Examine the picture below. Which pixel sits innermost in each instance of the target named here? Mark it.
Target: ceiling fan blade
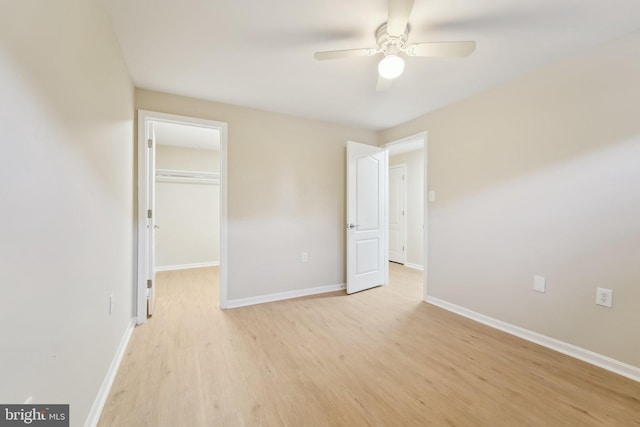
(349, 53)
(443, 49)
(399, 11)
(383, 84)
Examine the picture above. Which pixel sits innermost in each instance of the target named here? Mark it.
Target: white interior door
(151, 218)
(397, 213)
(146, 219)
(366, 217)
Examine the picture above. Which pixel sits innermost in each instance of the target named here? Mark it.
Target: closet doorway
(187, 181)
(181, 200)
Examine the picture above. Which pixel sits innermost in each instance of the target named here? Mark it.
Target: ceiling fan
(391, 38)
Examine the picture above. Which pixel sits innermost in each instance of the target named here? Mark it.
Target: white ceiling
(259, 53)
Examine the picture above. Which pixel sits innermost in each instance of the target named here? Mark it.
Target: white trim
(425, 213)
(186, 266)
(224, 234)
(105, 388)
(242, 302)
(605, 362)
(144, 118)
(385, 225)
(414, 266)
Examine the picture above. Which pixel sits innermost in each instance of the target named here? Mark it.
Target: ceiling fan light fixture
(391, 66)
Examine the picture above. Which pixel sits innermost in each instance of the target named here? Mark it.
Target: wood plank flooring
(377, 358)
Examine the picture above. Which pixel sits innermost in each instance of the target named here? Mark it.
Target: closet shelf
(194, 177)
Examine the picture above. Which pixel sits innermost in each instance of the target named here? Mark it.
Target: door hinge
(403, 249)
(149, 284)
(149, 142)
(149, 213)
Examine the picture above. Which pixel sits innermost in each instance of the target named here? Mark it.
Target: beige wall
(188, 159)
(541, 176)
(66, 114)
(538, 176)
(286, 194)
(414, 160)
(187, 213)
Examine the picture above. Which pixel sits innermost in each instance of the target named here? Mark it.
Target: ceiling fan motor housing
(391, 44)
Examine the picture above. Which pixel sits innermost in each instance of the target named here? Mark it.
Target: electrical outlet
(539, 283)
(604, 297)
(432, 196)
(304, 257)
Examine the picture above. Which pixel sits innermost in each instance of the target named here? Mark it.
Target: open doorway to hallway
(406, 202)
(407, 206)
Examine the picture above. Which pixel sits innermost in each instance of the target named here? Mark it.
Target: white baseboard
(105, 388)
(414, 266)
(186, 266)
(242, 302)
(605, 362)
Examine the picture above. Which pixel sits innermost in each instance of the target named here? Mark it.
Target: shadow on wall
(68, 98)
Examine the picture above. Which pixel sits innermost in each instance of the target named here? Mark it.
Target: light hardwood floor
(377, 358)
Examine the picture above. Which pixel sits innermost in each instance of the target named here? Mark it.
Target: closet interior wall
(187, 208)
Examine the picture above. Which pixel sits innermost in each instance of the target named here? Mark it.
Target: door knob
(351, 226)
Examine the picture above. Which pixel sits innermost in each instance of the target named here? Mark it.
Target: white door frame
(425, 237)
(144, 118)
